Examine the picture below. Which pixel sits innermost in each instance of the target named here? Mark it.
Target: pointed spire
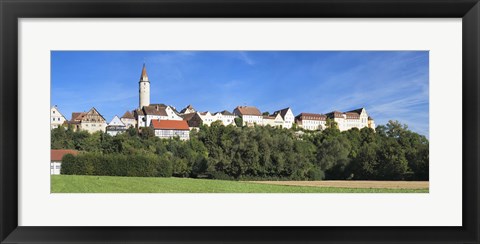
(144, 76)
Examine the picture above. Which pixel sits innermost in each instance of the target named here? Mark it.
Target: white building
(274, 120)
(56, 156)
(250, 115)
(225, 117)
(91, 121)
(116, 126)
(155, 112)
(357, 118)
(144, 89)
(170, 129)
(56, 118)
(311, 121)
(188, 110)
(287, 116)
(129, 120)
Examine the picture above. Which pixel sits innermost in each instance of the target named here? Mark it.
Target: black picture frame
(11, 11)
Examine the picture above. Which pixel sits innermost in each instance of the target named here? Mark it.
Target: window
(57, 167)
(54, 112)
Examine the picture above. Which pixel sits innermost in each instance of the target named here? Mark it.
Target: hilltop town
(168, 122)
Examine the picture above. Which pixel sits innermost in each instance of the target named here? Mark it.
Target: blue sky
(391, 85)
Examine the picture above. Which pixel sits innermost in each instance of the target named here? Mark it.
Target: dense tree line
(228, 152)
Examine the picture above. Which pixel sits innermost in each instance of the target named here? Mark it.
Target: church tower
(144, 89)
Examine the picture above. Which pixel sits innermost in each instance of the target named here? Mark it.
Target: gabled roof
(170, 124)
(273, 116)
(93, 110)
(127, 115)
(189, 107)
(77, 116)
(155, 110)
(116, 122)
(311, 116)
(248, 110)
(225, 112)
(56, 108)
(187, 117)
(57, 154)
(358, 111)
(282, 112)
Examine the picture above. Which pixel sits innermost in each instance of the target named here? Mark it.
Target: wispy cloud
(245, 57)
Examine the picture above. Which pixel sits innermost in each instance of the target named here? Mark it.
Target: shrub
(145, 165)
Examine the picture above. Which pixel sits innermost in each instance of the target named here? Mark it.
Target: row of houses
(167, 122)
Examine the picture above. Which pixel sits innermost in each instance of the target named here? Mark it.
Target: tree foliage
(228, 152)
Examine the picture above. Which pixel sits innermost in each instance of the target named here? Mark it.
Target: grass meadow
(115, 184)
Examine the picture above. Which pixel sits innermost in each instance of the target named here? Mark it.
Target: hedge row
(148, 165)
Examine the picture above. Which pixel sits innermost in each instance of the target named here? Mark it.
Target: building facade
(225, 117)
(274, 120)
(129, 120)
(115, 127)
(56, 156)
(56, 118)
(250, 115)
(155, 112)
(168, 129)
(311, 121)
(357, 118)
(287, 116)
(91, 121)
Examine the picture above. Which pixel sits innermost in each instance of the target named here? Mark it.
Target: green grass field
(110, 184)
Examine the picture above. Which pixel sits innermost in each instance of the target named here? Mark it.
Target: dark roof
(225, 112)
(170, 124)
(334, 114)
(154, 110)
(311, 116)
(57, 154)
(358, 111)
(158, 105)
(282, 112)
(128, 115)
(138, 112)
(187, 108)
(248, 110)
(187, 117)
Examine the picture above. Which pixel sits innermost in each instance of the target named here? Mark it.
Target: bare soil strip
(353, 184)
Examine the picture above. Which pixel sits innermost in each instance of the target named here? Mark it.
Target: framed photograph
(257, 122)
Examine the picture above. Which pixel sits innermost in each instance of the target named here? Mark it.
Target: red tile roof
(170, 124)
(57, 154)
